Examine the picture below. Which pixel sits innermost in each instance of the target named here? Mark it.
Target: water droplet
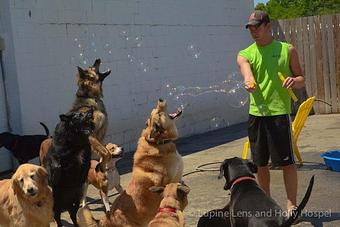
(216, 122)
(194, 51)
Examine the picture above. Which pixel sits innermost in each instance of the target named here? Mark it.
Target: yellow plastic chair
(297, 125)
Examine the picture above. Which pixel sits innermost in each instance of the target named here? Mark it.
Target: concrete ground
(321, 133)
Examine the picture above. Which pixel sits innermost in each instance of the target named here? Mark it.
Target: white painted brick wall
(45, 58)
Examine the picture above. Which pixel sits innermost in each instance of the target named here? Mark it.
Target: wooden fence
(317, 40)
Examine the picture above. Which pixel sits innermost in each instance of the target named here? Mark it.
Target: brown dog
(89, 95)
(44, 146)
(170, 213)
(156, 163)
(107, 178)
(26, 199)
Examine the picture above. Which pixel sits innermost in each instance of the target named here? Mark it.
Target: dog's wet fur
(68, 161)
(248, 198)
(23, 147)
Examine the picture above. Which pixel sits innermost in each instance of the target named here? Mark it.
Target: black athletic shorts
(270, 137)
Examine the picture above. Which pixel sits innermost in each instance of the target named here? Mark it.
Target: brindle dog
(90, 94)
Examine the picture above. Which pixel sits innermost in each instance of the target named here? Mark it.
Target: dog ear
(15, 184)
(222, 169)
(102, 76)
(42, 173)
(63, 117)
(223, 166)
(183, 188)
(252, 166)
(157, 189)
(81, 72)
(96, 64)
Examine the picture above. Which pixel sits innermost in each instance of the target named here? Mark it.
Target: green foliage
(283, 9)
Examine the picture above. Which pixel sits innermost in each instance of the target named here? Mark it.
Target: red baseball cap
(257, 18)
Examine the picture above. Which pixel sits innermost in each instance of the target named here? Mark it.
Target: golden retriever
(26, 199)
(175, 199)
(156, 163)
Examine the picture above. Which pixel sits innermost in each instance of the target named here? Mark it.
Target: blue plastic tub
(332, 160)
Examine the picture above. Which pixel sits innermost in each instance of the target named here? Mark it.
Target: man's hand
(250, 85)
(249, 81)
(289, 82)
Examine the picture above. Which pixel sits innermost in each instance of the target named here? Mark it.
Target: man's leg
(263, 178)
(291, 181)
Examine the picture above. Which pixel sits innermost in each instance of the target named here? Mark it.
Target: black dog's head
(90, 81)
(78, 122)
(234, 168)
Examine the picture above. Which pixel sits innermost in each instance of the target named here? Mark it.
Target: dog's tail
(46, 129)
(85, 219)
(302, 205)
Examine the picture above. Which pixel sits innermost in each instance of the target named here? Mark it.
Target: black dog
(68, 162)
(25, 147)
(249, 205)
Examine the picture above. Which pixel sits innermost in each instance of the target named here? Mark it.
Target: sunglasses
(255, 27)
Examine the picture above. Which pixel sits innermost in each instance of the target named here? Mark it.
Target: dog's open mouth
(120, 155)
(175, 114)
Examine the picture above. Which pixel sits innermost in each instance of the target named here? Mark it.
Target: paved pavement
(320, 134)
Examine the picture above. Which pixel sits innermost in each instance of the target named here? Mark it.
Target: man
(269, 125)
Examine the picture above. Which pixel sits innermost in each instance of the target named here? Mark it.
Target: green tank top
(269, 98)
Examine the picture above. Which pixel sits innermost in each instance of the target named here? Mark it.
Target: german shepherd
(90, 94)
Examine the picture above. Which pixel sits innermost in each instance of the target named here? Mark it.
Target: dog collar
(160, 142)
(238, 180)
(167, 209)
(164, 142)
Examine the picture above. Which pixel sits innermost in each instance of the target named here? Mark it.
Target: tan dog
(89, 95)
(105, 179)
(175, 199)
(26, 199)
(44, 146)
(156, 163)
